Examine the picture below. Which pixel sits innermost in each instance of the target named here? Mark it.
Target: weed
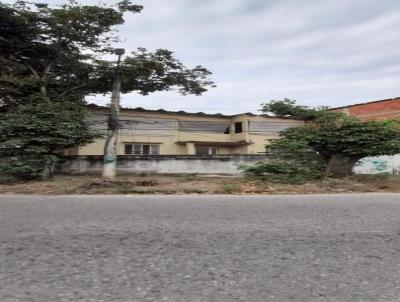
(146, 183)
(383, 181)
(193, 191)
(230, 188)
(187, 177)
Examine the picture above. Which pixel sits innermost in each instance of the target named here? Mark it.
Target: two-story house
(160, 132)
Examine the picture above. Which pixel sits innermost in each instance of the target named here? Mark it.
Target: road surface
(200, 248)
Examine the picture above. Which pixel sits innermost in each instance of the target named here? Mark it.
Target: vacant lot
(196, 184)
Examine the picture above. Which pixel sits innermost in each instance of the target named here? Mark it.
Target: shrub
(29, 167)
(284, 171)
(230, 188)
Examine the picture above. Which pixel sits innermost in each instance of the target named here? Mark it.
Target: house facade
(375, 110)
(159, 132)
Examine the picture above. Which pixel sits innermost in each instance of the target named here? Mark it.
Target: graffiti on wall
(379, 164)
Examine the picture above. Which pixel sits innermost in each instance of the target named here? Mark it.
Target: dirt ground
(196, 184)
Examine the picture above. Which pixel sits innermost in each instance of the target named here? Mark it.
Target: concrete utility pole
(110, 147)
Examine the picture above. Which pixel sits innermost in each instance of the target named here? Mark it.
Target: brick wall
(384, 109)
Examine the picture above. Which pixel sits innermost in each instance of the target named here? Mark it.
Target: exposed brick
(383, 109)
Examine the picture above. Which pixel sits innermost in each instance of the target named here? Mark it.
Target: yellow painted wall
(173, 142)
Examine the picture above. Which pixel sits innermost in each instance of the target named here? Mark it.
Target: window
(204, 150)
(238, 127)
(128, 149)
(142, 149)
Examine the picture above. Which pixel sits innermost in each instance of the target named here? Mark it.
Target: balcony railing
(211, 137)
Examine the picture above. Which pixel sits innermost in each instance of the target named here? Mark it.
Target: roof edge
(180, 112)
(365, 103)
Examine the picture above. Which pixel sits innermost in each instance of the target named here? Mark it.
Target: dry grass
(192, 184)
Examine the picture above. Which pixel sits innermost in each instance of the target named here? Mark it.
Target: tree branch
(32, 70)
(47, 69)
(73, 88)
(43, 89)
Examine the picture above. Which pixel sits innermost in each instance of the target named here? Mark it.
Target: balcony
(212, 138)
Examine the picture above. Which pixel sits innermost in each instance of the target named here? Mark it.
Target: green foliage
(230, 188)
(27, 129)
(336, 140)
(29, 167)
(31, 135)
(347, 136)
(46, 48)
(147, 72)
(288, 108)
(45, 73)
(55, 50)
(285, 171)
(49, 63)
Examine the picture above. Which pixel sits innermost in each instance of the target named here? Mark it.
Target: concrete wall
(220, 164)
(379, 164)
(224, 164)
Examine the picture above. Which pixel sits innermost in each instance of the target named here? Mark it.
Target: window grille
(128, 149)
(142, 149)
(204, 150)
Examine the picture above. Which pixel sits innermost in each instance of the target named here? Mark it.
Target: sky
(330, 52)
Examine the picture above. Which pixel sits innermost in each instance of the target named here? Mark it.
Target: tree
(50, 58)
(289, 108)
(145, 72)
(46, 56)
(50, 50)
(26, 140)
(337, 140)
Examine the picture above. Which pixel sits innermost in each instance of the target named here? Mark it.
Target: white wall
(379, 164)
(161, 164)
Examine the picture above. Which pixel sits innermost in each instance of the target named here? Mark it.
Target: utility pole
(111, 144)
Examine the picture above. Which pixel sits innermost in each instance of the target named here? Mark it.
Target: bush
(32, 133)
(284, 171)
(230, 188)
(29, 167)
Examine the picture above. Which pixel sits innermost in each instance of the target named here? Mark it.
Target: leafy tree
(24, 133)
(147, 72)
(45, 73)
(50, 60)
(289, 108)
(49, 50)
(338, 141)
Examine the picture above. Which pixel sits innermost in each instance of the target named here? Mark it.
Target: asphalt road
(200, 248)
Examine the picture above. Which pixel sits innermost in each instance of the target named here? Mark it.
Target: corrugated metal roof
(162, 111)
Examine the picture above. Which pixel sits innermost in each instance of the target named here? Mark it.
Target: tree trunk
(49, 166)
(340, 165)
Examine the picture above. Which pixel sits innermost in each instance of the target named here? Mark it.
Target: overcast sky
(330, 52)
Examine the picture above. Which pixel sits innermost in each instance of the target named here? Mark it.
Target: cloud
(319, 52)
